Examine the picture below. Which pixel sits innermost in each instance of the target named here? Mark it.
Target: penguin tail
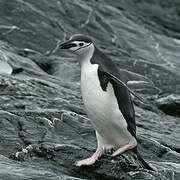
(141, 160)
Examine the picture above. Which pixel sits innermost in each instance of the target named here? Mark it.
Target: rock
(169, 104)
(44, 128)
(5, 68)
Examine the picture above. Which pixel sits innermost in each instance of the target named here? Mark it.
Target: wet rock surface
(44, 129)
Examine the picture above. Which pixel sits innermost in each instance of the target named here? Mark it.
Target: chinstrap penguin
(107, 100)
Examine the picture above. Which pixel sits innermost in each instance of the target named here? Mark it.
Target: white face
(81, 47)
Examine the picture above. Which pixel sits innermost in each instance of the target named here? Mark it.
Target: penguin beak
(67, 45)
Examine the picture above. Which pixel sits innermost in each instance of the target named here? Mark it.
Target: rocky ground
(44, 129)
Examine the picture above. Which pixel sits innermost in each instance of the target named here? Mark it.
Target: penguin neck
(85, 57)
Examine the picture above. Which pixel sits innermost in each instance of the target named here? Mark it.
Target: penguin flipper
(122, 95)
(117, 80)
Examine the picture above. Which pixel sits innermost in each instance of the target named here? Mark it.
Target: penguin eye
(81, 44)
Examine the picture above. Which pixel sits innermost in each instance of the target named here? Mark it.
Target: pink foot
(123, 149)
(91, 160)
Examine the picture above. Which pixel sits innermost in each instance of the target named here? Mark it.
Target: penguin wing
(121, 76)
(113, 77)
(122, 95)
(109, 73)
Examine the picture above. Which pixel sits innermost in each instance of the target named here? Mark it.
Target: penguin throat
(86, 55)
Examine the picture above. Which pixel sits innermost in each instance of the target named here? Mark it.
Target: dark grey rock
(169, 104)
(44, 129)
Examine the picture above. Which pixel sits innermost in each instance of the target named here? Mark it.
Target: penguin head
(78, 44)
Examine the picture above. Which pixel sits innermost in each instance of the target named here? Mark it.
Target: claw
(91, 160)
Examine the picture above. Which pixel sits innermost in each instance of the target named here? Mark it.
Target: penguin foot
(92, 159)
(123, 149)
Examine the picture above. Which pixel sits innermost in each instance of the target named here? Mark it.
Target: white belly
(103, 110)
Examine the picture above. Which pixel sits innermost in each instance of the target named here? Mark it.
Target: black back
(122, 94)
